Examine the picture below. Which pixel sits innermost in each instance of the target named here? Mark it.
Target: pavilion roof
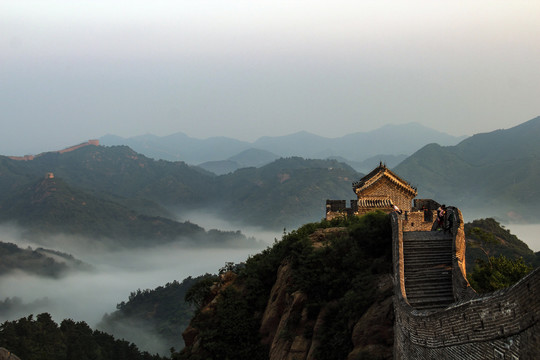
(379, 173)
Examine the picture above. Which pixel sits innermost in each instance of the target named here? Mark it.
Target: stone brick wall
(501, 325)
(338, 208)
(22, 158)
(71, 148)
(429, 204)
(415, 221)
(385, 187)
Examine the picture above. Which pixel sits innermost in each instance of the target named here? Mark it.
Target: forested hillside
(154, 319)
(40, 337)
(487, 238)
(50, 206)
(323, 289)
(41, 262)
(288, 294)
(115, 183)
(495, 173)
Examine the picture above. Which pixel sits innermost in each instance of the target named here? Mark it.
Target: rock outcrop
(290, 327)
(7, 355)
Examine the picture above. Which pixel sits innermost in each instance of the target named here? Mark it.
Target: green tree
(484, 241)
(43, 339)
(79, 340)
(199, 293)
(235, 332)
(498, 273)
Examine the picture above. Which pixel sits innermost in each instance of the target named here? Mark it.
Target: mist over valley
(176, 174)
(87, 295)
(95, 225)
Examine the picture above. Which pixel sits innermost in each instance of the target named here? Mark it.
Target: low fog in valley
(88, 295)
(528, 233)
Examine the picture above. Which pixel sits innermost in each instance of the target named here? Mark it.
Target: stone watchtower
(378, 190)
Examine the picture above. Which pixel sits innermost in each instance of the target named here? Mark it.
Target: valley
(140, 223)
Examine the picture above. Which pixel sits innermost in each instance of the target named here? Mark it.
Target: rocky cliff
(7, 355)
(329, 296)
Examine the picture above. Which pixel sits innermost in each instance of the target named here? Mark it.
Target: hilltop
(281, 194)
(494, 173)
(41, 262)
(324, 291)
(50, 206)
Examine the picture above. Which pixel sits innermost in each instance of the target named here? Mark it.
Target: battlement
(338, 208)
(381, 189)
(439, 316)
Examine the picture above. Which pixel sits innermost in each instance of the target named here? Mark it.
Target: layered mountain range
(494, 174)
(115, 192)
(390, 143)
(340, 304)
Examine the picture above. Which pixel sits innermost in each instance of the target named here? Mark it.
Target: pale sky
(75, 70)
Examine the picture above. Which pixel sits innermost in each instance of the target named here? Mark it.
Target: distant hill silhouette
(42, 262)
(387, 140)
(286, 192)
(371, 163)
(497, 172)
(247, 158)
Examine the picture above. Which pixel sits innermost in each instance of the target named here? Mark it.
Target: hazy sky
(75, 70)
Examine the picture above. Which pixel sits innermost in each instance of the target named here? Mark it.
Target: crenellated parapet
(437, 313)
(338, 208)
(381, 189)
(465, 325)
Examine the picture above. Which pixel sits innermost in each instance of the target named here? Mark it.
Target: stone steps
(431, 303)
(428, 269)
(426, 279)
(429, 260)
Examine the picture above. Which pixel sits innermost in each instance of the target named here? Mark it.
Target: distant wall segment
(71, 148)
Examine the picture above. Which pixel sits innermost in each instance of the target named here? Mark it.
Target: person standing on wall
(450, 218)
(441, 211)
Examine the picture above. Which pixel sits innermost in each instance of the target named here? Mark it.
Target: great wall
(68, 149)
(437, 313)
(439, 316)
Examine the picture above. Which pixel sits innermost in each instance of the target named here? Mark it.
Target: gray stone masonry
(437, 314)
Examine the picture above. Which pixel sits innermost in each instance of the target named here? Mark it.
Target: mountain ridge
(267, 196)
(496, 172)
(302, 143)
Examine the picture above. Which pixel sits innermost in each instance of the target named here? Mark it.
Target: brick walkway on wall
(428, 269)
